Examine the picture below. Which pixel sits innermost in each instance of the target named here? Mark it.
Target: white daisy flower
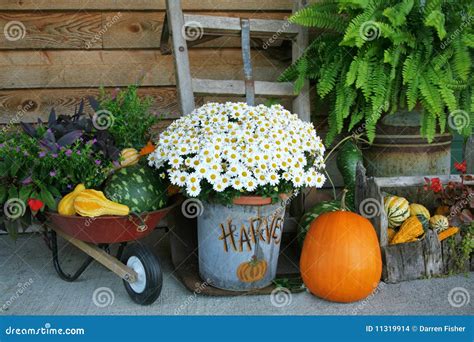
(240, 146)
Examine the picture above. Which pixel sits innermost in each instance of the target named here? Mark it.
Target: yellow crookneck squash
(92, 203)
(411, 229)
(66, 205)
(447, 233)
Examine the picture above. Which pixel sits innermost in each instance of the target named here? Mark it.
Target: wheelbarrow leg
(120, 250)
(57, 265)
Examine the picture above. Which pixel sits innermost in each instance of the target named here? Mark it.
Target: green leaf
(4, 169)
(398, 13)
(468, 40)
(14, 167)
(3, 193)
(55, 192)
(12, 228)
(436, 19)
(313, 16)
(47, 198)
(12, 192)
(25, 192)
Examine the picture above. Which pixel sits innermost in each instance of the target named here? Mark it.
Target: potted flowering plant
(242, 162)
(455, 199)
(40, 164)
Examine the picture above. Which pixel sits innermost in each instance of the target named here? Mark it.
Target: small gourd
(92, 203)
(129, 157)
(66, 204)
(447, 233)
(442, 210)
(418, 209)
(412, 228)
(397, 209)
(439, 223)
(390, 234)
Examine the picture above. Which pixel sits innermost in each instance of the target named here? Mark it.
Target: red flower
(436, 185)
(35, 204)
(461, 167)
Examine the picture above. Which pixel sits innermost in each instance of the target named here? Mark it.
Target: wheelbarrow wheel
(147, 288)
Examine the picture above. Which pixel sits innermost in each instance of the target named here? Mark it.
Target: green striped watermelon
(312, 214)
(139, 187)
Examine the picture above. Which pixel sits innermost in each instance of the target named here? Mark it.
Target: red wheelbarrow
(135, 263)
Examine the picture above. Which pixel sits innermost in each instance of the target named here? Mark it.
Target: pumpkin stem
(343, 200)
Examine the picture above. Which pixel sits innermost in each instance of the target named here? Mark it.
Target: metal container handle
(142, 226)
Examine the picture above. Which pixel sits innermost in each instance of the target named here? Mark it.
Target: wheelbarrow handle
(142, 226)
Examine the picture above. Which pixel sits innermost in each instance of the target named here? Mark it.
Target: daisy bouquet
(223, 151)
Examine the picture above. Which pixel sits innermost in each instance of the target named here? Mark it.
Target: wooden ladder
(186, 30)
(204, 28)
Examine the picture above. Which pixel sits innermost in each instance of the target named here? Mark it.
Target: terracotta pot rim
(256, 200)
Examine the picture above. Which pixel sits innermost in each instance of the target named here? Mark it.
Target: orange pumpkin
(251, 271)
(341, 259)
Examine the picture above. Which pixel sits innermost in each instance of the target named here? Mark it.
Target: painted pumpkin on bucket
(253, 270)
(341, 259)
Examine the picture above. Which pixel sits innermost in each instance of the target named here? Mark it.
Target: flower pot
(239, 244)
(400, 150)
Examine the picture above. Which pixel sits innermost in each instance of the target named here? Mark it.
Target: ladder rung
(236, 87)
(228, 26)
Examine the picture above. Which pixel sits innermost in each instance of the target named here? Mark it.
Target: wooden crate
(407, 261)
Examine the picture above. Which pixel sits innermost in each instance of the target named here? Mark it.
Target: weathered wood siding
(65, 49)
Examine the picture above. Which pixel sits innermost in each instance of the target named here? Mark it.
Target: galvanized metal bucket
(239, 244)
(400, 150)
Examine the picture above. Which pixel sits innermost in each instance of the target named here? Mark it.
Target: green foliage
(375, 57)
(461, 251)
(28, 170)
(132, 118)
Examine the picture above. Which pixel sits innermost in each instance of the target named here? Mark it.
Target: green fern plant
(375, 57)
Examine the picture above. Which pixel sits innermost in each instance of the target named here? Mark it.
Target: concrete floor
(29, 285)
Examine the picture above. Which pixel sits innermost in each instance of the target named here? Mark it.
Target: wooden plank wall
(63, 50)
(53, 53)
